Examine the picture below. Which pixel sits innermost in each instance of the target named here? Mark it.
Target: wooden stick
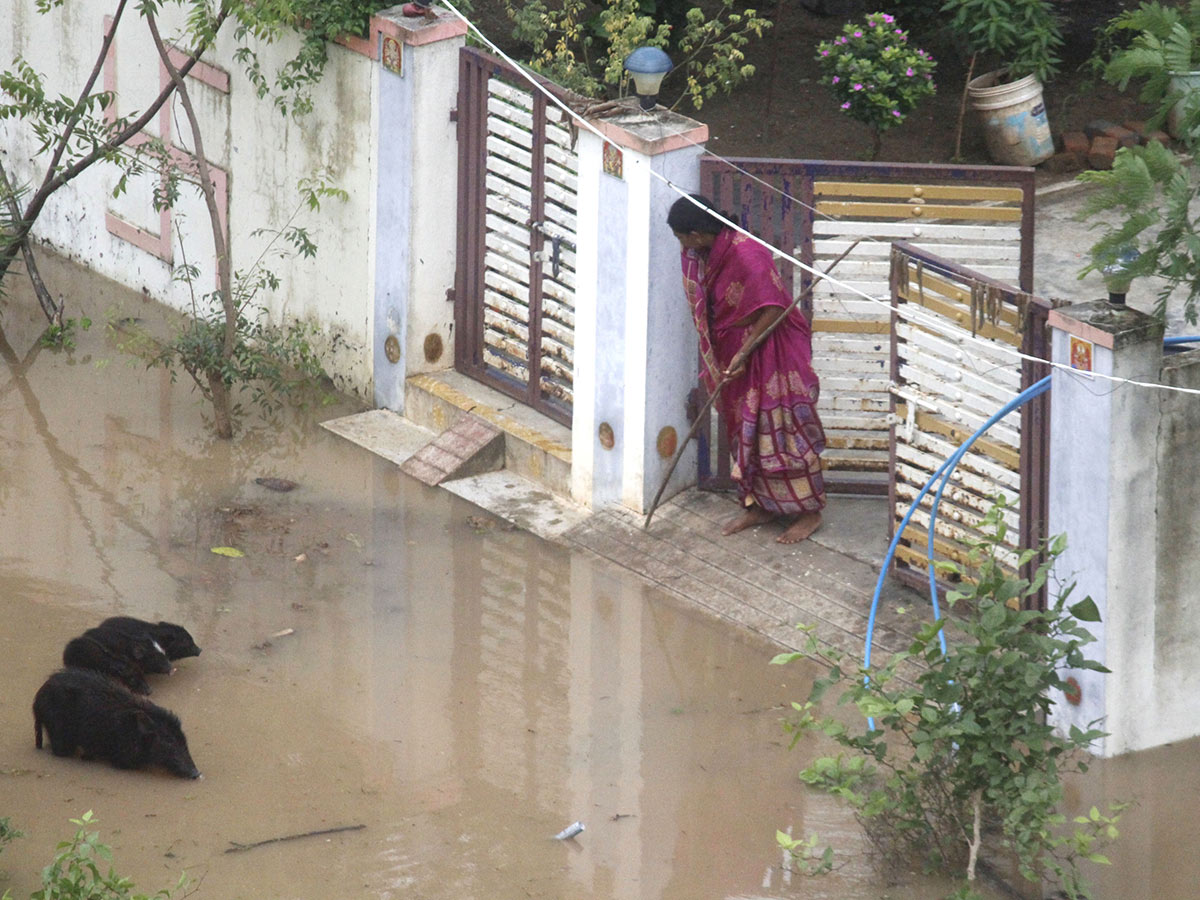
(725, 380)
(237, 848)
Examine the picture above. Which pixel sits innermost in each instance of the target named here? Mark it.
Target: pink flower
(846, 105)
(896, 113)
(836, 79)
(910, 72)
(824, 52)
(858, 34)
(858, 86)
(889, 19)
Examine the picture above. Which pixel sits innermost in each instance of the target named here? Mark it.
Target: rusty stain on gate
(980, 216)
(952, 367)
(515, 282)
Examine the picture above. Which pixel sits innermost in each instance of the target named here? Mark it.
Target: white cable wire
(909, 311)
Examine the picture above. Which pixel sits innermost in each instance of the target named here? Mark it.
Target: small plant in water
(965, 754)
(877, 78)
(8, 834)
(76, 872)
(227, 350)
(63, 335)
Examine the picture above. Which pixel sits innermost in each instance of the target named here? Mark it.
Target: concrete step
(471, 446)
(383, 432)
(511, 497)
(535, 447)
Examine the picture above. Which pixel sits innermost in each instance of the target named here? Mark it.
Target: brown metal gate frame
(1034, 465)
(475, 69)
(775, 199)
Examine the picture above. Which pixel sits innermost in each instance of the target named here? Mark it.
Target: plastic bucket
(1181, 83)
(1013, 118)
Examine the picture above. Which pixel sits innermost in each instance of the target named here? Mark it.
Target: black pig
(174, 639)
(84, 710)
(115, 653)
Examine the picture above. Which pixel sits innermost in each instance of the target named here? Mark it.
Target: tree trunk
(222, 416)
(219, 390)
(976, 836)
(962, 109)
(53, 311)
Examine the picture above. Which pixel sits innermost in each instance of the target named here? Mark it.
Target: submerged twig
(237, 847)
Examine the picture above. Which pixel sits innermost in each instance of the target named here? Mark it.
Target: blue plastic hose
(944, 471)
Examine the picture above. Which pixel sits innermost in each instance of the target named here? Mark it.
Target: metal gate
(515, 282)
(981, 216)
(950, 372)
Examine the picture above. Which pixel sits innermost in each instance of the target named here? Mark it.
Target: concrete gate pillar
(415, 197)
(635, 345)
(1103, 496)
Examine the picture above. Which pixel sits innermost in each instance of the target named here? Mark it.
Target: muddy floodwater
(387, 659)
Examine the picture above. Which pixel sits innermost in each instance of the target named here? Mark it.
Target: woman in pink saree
(769, 405)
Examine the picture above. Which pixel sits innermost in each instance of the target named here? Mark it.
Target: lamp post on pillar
(1119, 273)
(648, 66)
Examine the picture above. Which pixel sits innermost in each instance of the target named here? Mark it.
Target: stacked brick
(1097, 144)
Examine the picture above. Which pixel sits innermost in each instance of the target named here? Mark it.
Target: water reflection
(382, 655)
(1154, 856)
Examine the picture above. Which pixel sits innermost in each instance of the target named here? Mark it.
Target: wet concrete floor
(390, 656)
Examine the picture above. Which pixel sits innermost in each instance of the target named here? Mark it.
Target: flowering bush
(875, 75)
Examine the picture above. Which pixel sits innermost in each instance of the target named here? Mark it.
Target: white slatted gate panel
(529, 243)
(972, 224)
(948, 384)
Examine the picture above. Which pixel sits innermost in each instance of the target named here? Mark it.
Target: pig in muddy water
(115, 653)
(174, 639)
(81, 709)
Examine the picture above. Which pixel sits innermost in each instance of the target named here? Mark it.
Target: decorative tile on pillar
(393, 55)
(614, 161)
(1081, 354)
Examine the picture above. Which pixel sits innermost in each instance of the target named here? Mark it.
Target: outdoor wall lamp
(1117, 274)
(647, 65)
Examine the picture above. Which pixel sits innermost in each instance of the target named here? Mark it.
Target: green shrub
(1023, 36)
(876, 76)
(966, 749)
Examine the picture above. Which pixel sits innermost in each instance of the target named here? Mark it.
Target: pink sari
(770, 410)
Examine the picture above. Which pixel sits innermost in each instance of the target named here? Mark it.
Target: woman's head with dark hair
(686, 217)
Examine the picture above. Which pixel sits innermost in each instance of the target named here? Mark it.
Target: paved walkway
(756, 583)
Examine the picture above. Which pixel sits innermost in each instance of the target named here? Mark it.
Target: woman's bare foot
(753, 516)
(801, 529)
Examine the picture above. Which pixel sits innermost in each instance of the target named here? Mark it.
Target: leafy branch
(582, 44)
(966, 753)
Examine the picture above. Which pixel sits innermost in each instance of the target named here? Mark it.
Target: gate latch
(556, 243)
